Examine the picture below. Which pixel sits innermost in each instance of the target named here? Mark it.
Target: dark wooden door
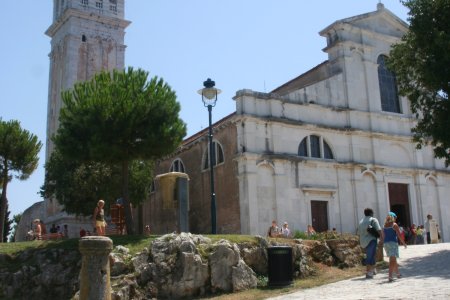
(399, 203)
(319, 215)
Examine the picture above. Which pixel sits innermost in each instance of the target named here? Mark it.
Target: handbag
(371, 230)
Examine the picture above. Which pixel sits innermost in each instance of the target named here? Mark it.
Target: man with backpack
(369, 230)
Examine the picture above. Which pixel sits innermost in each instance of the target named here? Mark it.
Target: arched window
(303, 148)
(315, 146)
(218, 156)
(388, 87)
(177, 166)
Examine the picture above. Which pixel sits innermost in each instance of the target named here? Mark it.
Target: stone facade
(320, 148)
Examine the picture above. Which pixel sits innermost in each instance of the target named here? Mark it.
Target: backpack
(372, 231)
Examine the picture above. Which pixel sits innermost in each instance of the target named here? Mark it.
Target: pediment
(382, 21)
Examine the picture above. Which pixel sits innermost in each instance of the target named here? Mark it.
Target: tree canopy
(19, 157)
(421, 62)
(78, 186)
(116, 118)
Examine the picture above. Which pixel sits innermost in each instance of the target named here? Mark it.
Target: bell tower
(87, 36)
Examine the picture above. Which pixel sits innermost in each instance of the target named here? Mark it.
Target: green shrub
(327, 235)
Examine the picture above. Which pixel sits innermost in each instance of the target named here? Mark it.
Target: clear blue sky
(251, 44)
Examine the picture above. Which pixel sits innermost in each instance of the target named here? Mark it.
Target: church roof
(318, 73)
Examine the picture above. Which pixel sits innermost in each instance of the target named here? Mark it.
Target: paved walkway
(426, 275)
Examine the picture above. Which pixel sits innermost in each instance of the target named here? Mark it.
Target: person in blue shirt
(391, 232)
(368, 241)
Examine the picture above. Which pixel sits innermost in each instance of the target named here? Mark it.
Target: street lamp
(209, 97)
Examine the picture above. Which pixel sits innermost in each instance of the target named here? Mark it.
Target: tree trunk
(126, 199)
(3, 205)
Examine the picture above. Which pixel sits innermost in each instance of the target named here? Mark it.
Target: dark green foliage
(16, 221)
(19, 150)
(119, 118)
(422, 66)
(327, 235)
(78, 186)
(7, 226)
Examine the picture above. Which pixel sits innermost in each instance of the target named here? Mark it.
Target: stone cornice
(336, 164)
(350, 44)
(68, 13)
(346, 130)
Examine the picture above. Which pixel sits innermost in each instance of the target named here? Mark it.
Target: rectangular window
(99, 4)
(85, 2)
(315, 146)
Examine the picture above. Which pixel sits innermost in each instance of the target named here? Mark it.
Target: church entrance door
(319, 215)
(399, 203)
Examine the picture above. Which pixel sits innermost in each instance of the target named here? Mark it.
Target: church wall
(163, 220)
(337, 182)
(347, 189)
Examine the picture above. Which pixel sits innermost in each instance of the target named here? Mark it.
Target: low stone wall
(173, 266)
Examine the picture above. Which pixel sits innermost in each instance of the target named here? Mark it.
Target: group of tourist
(418, 235)
(284, 231)
(39, 230)
(275, 231)
(389, 236)
(99, 223)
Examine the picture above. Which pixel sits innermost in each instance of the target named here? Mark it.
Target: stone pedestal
(94, 276)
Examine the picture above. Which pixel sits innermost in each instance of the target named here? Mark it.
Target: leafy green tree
(78, 186)
(119, 117)
(422, 66)
(19, 157)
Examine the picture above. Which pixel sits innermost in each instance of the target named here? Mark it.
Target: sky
(240, 44)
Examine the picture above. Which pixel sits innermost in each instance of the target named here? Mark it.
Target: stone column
(94, 276)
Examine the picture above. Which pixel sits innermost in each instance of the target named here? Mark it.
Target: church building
(317, 150)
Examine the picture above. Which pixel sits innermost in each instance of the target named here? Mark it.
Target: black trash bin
(279, 265)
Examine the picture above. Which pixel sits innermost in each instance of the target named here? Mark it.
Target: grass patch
(136, 243)
(234, 238)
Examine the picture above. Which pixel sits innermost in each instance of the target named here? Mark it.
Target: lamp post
(209, 97)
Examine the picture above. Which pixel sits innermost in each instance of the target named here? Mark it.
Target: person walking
(99, 218)
(368, 241)
(431, 229)
(392, 236)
